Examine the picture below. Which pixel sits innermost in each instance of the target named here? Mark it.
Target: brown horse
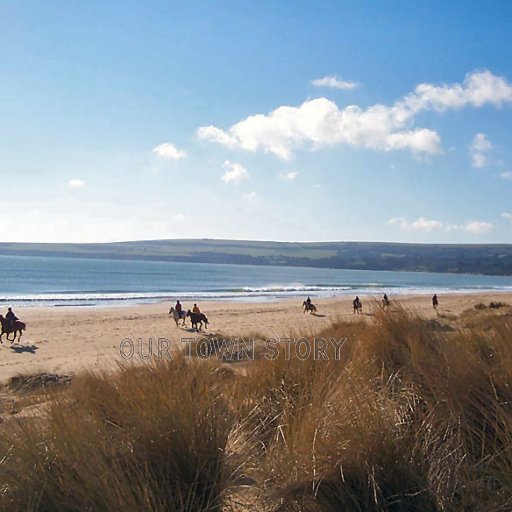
(197, 319)
(309, 307)
(7, 329)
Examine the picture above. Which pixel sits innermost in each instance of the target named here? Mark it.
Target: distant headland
(491, 259)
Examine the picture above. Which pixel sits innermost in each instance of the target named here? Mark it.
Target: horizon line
(206, 239)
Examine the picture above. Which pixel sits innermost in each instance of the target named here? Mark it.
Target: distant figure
(196, 310)
(385, 301)
(435, 301)
(358, 307)
(179, 309)
(11, 317)
(309, 306)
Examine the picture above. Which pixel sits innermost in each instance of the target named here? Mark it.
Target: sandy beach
(67, 340)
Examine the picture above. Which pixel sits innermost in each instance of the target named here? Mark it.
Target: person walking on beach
(435, 301)
(196, 309)
(11, 317)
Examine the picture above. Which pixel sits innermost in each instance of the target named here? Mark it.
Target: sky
(293, 121)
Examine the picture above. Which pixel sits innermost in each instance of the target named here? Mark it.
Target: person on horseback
(11, 317)
(196, 309)
(179, 309)
(308, 303)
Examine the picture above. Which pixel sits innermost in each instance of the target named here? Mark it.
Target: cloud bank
(321, 123)
(428, 225)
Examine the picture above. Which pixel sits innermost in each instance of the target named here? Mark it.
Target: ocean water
(52, 281)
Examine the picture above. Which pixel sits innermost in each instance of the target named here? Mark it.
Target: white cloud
(422, 224)
(320, 122)
(76, 184)
(288, 176)
(479, 150)
(250, 196)
(214, 134)
(169, 151)
(478, 88)
(478, 228)
(507, 216)
(507, 175)
(420, 140)
(335, 83)
(234, 173)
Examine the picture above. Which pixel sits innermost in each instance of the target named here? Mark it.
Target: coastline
(122, 300)
(70, 339)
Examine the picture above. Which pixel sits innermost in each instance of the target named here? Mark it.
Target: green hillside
(481, 259)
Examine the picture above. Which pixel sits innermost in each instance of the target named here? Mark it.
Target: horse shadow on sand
(20, 349)
(195, 330)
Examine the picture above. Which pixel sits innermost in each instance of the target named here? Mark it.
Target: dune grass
(409, 417)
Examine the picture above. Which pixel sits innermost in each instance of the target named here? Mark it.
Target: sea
(66, 281)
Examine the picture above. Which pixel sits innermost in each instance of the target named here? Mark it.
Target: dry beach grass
(414, 414)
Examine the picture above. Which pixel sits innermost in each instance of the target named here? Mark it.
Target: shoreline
(70, 339)
(108, 303)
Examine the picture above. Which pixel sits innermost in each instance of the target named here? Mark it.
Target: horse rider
(196, 310)
(11, 317)
(179, 309)
(308, 303)
(435, 301)
(385, 300)
(357, 304)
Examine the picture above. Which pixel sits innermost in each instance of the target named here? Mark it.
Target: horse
(358, 307)
(309, 307)
(177, 316)
(197, 318)
(18, 327)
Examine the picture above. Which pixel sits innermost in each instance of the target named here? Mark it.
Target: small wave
(248, 293)
(294, 288)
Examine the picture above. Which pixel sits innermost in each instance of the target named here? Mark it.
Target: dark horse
(197, 319)
(309, 307)
(18, 327)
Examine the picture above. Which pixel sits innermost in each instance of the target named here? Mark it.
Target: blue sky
(303, 121)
